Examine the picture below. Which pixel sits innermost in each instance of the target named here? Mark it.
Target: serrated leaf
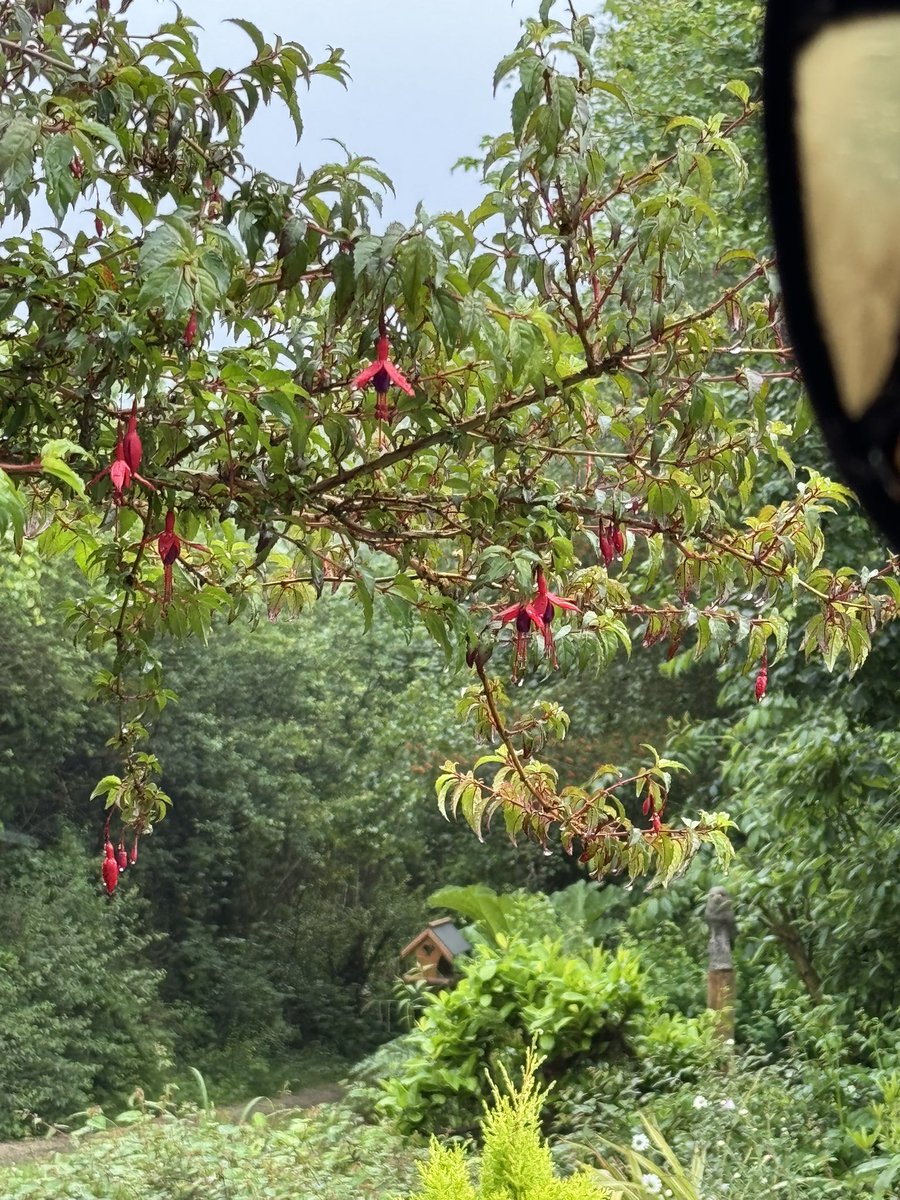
(416, 260)
(17, 151)
(259, 42)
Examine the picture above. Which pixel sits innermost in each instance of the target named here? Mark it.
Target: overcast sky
(420, 94)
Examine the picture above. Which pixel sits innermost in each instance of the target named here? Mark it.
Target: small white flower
(727, 1103)
(652, 1183)
(744, 1112)
(640, 1141)
(701, 1102)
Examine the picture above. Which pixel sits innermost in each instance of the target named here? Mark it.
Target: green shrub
(577, 1008)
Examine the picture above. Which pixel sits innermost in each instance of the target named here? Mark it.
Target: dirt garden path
(32, 1149)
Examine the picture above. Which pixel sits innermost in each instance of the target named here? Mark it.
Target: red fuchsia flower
(121, 856)
(619, 541)
(762, 678)
(134, 451)
(190, 330)
(381, 374)
(525, 615)
(169, 546)
(98, 225)
(132, 858)
(545, 604)
(76, 166)
(121, 473)
(607, 549)
(110, 869)
(656, 822)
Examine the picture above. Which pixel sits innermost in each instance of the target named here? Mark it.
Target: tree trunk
(789, 936)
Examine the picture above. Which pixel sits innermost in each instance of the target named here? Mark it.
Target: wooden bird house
(435, 948)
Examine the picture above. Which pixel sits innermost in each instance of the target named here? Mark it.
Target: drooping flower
(132, 858)
(762, 678)
(110, 869)
(190, 331)
(525, 615)
(381, 374)
(121, 856)
(619, 540)
(169, 545)
(606, 545)
(545, 604)
(121, 473)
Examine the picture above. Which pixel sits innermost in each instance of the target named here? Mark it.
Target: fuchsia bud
(126, 460)
(190, 331)
(121, 857)
(98, 225)
(619, 540)
(762, 679)
(133, 449)
(606, 547)
(110, 869)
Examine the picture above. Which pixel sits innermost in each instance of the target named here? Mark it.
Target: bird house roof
(445, 933)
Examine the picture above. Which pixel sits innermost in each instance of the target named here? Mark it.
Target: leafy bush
(80, 1016)
(327, 1153)
(879, 1138)
(577, 1008)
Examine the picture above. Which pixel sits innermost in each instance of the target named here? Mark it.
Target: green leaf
(738, 88)
(102, 132)
(17, 152)
(53, 463)
(12, 510)
(62, 186)
(259, 42)
(109, 783)
(416, 261)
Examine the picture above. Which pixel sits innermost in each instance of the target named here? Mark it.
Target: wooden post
(721, 991)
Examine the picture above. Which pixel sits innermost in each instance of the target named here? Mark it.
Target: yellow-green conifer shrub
(516, 1162)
